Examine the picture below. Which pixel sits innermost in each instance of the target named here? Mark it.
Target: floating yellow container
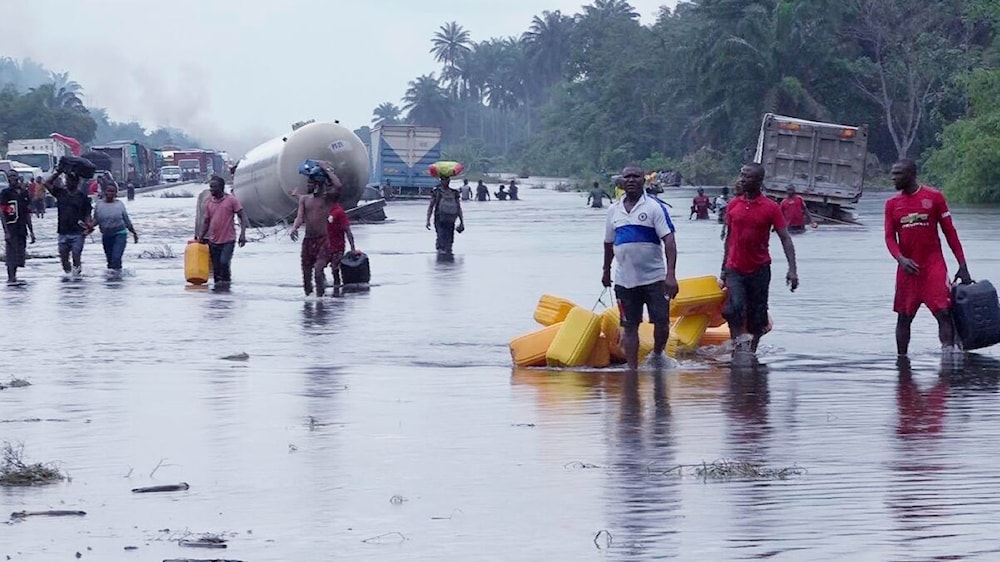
(575, 340)
(716, 336)
(551, 310)
(686, 333)
(612, 330)
(646, 340)
(600, 356)
(196, 262)
(529, 350)
(697, 295)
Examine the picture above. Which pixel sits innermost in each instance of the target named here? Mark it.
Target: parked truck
(824, 161)
(42, 153)
(195, 164)
(401, 155)
(131, 162)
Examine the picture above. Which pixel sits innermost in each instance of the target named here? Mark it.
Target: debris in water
(35, 420)
(164, 252)
(522, 425)
(18, 383)
(727, 469)
(131, 548)
(397, 500)
(451, 516)
(164, 488)
(292, 447)
(394, 537)
(580, 465)
(603, 537)
(15, 472)
(50, 513)
(237, 357)
(205, 541)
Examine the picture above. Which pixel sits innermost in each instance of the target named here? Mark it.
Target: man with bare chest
(313, 211)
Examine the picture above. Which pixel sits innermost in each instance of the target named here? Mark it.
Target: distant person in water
(17, 227)
(502, 194)
(912, 219)
(596, 197)
(796, 213)
(513, 190)
(465, 190)
(746, 262)
(445, 208)
(314, 210)
(112, 217)
(700, 205)
(219, 230)
(482, 192)
(720, 204)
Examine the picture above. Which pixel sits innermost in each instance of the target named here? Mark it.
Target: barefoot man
(314, 209)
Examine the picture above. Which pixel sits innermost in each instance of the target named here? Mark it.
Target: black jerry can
(976, 311)
(355, 269)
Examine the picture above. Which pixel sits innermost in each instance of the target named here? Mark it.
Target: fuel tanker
(267, 182)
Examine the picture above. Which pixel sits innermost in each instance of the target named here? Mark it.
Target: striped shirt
(637, 236)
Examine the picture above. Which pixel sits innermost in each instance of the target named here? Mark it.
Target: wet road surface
(389, 424)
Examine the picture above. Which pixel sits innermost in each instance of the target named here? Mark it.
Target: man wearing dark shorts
(912, 219)
(16, 205)
(746, 262)
(637, 226)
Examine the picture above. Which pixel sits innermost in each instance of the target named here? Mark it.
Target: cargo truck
(401, 154)
(195, 164)
(42, 153)
(824, 161)
(131, 162)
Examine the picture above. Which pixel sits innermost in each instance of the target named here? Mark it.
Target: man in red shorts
(746, 262)
(911, 233)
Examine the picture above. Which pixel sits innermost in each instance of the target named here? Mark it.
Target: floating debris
(604, 537)
(394, 537)
(163, 252)
(51, 513)
(206, 541)
(580, 465)
(164, 488)
(14, 471)
(727, 469)
(397, 500)
(18, 383)
(237, 357)
(34, 420)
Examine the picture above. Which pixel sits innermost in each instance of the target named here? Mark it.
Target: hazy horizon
(234, 77)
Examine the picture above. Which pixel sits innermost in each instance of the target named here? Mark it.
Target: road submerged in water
(389, 424)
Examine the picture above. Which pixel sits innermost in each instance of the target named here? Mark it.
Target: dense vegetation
(589, 92)
(35, 102)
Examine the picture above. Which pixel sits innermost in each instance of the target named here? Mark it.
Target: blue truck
(401, 154)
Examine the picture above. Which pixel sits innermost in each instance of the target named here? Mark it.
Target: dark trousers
(445, 228)
(17, 249)
(114, 248)
(222, 257)
(746, 302)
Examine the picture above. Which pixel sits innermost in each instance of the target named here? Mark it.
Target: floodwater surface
(389, 424)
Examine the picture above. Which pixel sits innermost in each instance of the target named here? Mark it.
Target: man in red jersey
(911, 233)
(746, 262)
(796, 213)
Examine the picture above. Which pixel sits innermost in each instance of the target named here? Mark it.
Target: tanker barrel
(267, 182)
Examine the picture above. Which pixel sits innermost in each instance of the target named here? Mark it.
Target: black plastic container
(355, 269)
(77, 166)
(976, 311)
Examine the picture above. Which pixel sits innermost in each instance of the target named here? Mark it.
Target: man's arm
(299, 217)
(951, 235)
(430, 208)
(789, 247)
(31, 226)
(350, 238)
(461, 217)
(242, 213)
(670, 251)
(206, 221)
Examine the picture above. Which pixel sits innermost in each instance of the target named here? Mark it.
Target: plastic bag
(446, 169)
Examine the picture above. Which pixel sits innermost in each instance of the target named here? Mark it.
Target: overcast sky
(235, 76)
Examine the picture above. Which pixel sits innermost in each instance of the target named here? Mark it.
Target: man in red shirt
(700, 205)
(746, 262)
(911, 233)
(796, 214)
(338, 226)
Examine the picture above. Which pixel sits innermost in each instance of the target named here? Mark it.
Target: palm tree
(426, 102)
(449, 45)
(386, 113)
(547, 44)
(60, 98)
(62, 82)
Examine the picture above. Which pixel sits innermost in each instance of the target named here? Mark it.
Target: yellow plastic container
(575, 340)
(529, 350)
(196, 262)
(600, 356)
(697, 295)
(686, 333)
(715, 336)
(612, 330)
(551, 310)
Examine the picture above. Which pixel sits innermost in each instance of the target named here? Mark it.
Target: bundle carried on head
(446, 169)
(316, 170)
(76, 166)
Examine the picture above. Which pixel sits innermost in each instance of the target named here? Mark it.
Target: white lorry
(38, 153)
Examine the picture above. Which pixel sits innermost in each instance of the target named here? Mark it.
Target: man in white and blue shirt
(640, 237)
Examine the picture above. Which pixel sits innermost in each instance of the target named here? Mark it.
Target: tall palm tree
(62, 82)
(387, 113)
(449, 45)
(426, 102)
(547, 44)
(58, 98)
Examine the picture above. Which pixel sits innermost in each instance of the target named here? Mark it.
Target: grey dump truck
(824, 161)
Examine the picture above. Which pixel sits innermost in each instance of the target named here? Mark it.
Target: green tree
(387, 113)
(449, 45)
(426, 102)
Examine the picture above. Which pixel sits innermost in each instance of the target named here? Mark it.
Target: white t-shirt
(721, 202)
(637, 237)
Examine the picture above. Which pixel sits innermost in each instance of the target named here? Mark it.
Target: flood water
(389, 424)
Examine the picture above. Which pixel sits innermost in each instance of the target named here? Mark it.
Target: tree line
(586, 93)
(35, 102)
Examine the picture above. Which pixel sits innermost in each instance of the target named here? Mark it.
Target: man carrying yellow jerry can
(639, 235)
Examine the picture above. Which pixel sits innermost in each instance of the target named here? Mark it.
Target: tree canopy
(585, 93)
